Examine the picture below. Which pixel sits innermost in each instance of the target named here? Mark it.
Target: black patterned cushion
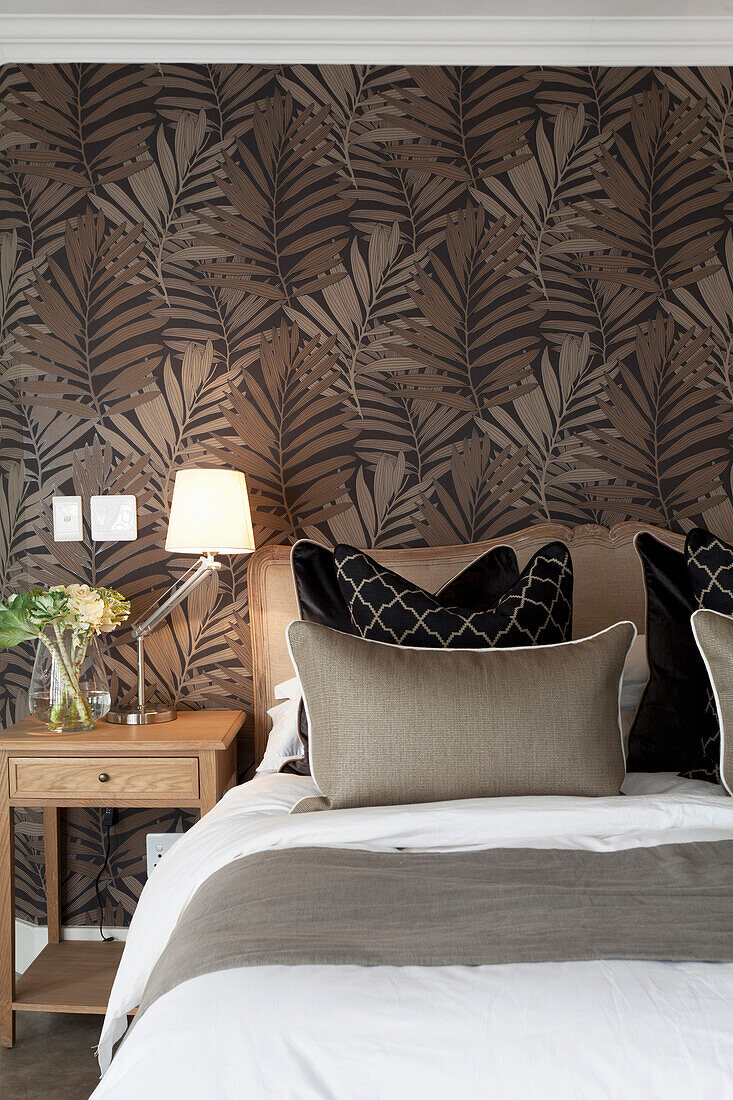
(320, 600)
(384, 607)
(710, 565)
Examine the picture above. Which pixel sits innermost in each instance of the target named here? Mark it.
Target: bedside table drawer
(104, 776)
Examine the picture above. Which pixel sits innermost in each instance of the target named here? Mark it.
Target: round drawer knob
(103, 777)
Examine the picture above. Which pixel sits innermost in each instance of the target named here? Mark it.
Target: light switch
(67, 525)
(114, 518)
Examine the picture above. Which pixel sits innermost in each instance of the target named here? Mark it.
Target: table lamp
(209, 515)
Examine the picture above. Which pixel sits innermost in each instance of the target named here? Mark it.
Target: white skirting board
(30, 939)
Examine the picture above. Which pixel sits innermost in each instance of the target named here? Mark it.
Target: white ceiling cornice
(214, 36)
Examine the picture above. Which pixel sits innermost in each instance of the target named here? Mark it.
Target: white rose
(86, 607)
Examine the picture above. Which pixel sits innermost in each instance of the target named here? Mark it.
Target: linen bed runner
(310, 906)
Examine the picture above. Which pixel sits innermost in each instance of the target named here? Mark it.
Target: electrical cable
(107, 821)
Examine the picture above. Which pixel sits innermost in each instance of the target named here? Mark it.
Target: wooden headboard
(608, 586)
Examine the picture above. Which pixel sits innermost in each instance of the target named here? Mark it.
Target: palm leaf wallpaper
(415, 306)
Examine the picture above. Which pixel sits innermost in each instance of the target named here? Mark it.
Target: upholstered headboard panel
(608, 586)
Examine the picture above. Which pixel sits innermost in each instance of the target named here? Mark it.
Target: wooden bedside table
(187, 763)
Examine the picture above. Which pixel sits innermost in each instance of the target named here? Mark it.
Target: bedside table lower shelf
(71, 976)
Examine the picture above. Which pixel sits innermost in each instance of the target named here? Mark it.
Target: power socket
(156, 845)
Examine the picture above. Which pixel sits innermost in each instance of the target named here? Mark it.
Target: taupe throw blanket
(326, 905)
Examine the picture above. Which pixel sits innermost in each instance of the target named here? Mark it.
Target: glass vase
(69, 689)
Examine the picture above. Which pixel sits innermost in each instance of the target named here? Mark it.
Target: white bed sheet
(593, 1029)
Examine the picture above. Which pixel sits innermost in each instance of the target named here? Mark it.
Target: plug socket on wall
(67, 521)
(156, 845)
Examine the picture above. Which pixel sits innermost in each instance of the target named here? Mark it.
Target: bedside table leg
(208, 781)
(7, 910)
(52, 849)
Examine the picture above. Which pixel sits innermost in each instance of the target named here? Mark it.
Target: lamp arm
(206, 565)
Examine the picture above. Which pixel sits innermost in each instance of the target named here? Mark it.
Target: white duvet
(551, 1031)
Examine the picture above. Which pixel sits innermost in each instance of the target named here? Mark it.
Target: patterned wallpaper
(415, 306)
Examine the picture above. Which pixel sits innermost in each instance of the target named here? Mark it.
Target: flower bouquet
(69, 689)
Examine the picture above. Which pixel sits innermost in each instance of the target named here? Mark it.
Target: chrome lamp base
(141, 716)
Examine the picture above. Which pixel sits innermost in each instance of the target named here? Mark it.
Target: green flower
(47, 607)
(24, 616)
(116, 608)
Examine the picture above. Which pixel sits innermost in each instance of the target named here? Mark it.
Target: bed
(596, 1027)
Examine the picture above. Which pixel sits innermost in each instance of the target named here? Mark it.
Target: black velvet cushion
(673, 723)
(320, 599)
(319, 596)
(384, 607)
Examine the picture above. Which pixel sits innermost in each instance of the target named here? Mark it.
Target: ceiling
(612, 32)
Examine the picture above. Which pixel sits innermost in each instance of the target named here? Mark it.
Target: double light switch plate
(114, 518)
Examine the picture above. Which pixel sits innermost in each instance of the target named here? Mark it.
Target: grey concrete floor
(53, 1057)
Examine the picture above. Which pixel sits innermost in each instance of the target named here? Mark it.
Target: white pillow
(289, 689)
(283, 742)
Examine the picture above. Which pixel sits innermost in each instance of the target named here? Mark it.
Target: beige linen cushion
(393, 724)
(714, 636)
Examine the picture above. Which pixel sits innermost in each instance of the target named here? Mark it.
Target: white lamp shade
(210, 513)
